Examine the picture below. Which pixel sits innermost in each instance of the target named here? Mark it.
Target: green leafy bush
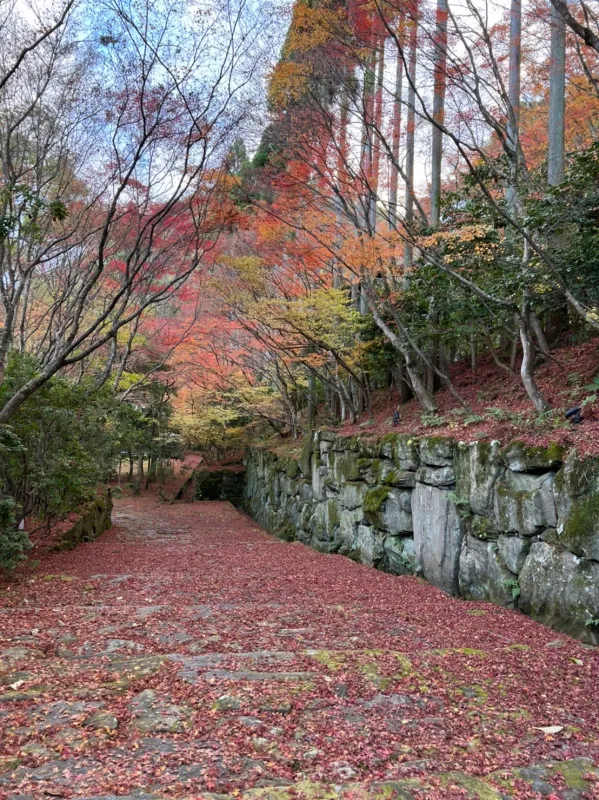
(13, 542)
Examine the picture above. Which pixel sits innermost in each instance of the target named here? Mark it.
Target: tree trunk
(557, 99)
(421, 393)
(440, 82)
(410, 140)
(513, 125)
(376, 134)
(396, 131)
(311, 410)
(539, 335)
(528, 362)
(367, 154)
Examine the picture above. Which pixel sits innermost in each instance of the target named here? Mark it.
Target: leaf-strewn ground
(188, 654)
(499, 406)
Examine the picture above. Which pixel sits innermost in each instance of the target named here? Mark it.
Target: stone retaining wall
(95, 517)
(518, 526)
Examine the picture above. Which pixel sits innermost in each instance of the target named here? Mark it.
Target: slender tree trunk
(421, 393)
(513, 125)
(396, 131)
(342, 181)
(514, 350)
(557, 99)
(440, 83)
(528, 363)
(377, 133)
(410, 142)
(539, 335)
(472, 353)
(311, 411)
(367, 143)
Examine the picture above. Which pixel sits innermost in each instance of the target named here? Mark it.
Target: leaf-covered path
(187, 654)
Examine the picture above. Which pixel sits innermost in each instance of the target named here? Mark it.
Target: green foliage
(462, 505)
(593, 386)
(25, 213)
(432, 420)
(513, 585)
(221, 421)
(59, 446)
(570, 210)
(13, 542)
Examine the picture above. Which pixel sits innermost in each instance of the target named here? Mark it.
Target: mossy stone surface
(580, 532)
(407, 452)
(561, 590)
(520, 457)
(304, 461)
(437, 451)
(482, 528)
(525, 503)
(373, 502)
(95, 517)
(347, 467)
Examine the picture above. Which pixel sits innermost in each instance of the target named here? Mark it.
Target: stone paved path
(188, 654)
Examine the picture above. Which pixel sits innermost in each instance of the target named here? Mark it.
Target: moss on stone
(354, 555)
(391, 478)
(369, 448)
(285, 532)
(387, 445)
(306, 790)
(475, 692)
(9, 763)
(333, 516)
(476, 788)
(406, 667)
(481, 527)
(291, 467)
(530, 457)
(439, 443)
(331, 659)
(582, 523)
(471, 651)
(394, 790)
(374, 499)
(304, 461)
(347, 467)
(449, 651)
(574, 772)
(363, 464)
(554, 453)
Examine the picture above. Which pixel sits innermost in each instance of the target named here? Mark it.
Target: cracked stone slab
(153, 713)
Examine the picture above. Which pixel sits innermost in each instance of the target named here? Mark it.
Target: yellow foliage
(288, 83)
(310, 27)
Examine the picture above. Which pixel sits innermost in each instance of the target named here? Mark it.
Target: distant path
(186, 653)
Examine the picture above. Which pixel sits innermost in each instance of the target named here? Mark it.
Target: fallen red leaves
(562, 381)
(186, 651)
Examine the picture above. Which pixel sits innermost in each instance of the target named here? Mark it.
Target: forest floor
(188, 654)
(498, 405)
